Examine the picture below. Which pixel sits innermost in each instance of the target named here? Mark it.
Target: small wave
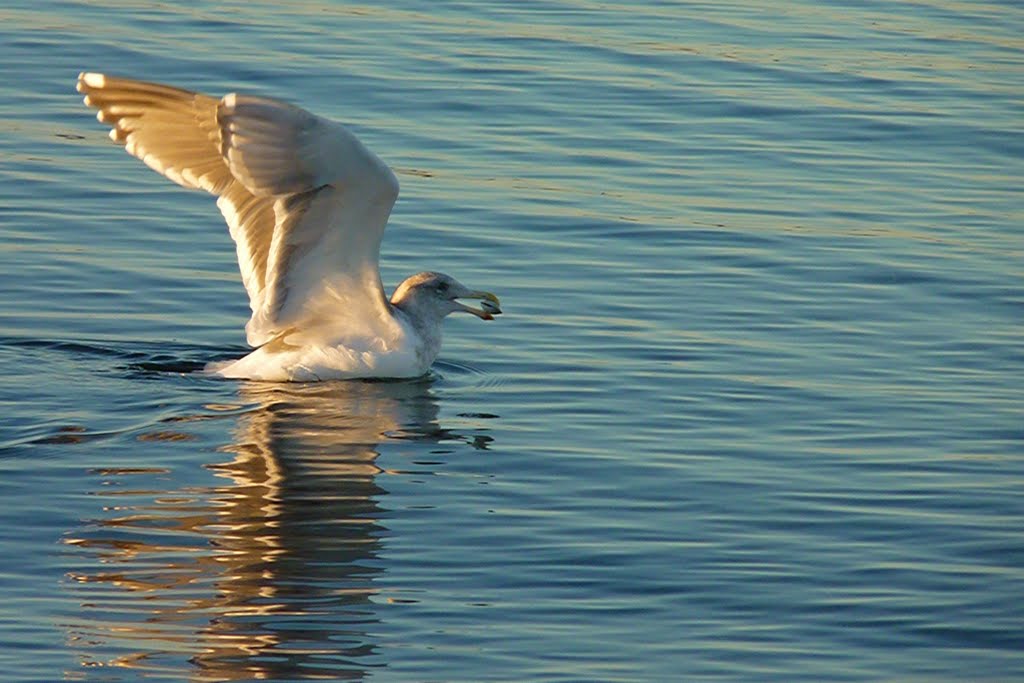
(142, 360)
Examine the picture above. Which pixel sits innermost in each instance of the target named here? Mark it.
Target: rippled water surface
(754, 411)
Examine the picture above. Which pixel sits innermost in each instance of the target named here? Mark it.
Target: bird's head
(436, 295)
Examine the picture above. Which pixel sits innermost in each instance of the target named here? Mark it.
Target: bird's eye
(442, 286)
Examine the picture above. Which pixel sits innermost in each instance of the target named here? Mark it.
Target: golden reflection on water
(268, 575)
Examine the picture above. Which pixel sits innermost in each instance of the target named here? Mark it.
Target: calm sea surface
(755, 411)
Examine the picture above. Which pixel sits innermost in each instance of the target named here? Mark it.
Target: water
(753, 412)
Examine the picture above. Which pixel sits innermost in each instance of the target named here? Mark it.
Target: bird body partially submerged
(306, 204)
(300, 355)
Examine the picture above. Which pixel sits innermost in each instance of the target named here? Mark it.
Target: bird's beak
(489, 305)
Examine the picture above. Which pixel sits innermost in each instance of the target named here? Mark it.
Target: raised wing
(306, 203)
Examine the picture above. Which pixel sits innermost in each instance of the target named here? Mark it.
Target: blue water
(754, 411)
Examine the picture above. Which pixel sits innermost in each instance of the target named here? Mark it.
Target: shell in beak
(490, 306)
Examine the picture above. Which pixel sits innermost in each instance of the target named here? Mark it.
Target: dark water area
(753, 411)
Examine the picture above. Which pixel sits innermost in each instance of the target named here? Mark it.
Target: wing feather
(251, 222)
(305, 201)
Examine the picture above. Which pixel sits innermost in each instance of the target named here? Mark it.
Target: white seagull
(306, 204)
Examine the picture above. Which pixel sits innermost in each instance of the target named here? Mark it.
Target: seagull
(306, 204)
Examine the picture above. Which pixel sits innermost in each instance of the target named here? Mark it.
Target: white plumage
(306, 205)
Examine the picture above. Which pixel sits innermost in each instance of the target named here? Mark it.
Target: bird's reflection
(271, 574)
